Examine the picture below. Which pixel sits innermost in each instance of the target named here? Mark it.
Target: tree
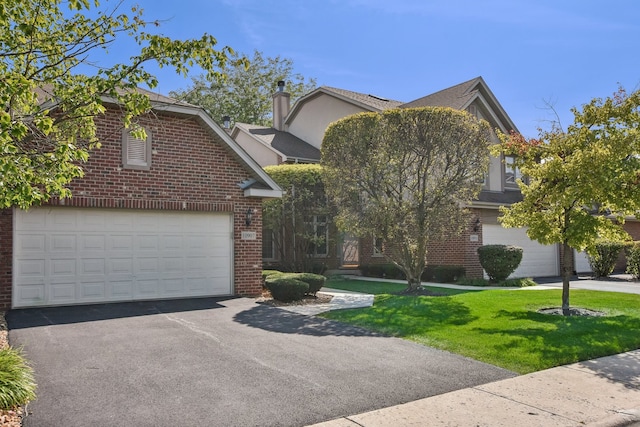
(298, 238)
(405, 176)
(246, 95)
(580, 184)
(47, 127)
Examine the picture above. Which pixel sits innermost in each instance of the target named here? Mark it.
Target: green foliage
(431, 273)
(499, 261)
(447, 273)
(604, 256)
(402, 175)
(503, 328)
(298, 237)
(579, 178)
(509, 283)
(47, 127)
(286, 289)
(246, 94)
(17, 386)
(315, 281)
(633, 260)
(269, 273)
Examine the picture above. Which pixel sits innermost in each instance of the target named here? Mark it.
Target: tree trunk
(413, 284)
(567, 270)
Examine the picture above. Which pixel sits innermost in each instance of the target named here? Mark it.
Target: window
(377, 247)
(136, 153)
(511, 172)
(319, 235)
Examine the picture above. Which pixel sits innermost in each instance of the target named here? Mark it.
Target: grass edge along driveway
(501, 327)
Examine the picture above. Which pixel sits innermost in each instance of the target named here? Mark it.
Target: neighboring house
(176, 215)
(305, 123)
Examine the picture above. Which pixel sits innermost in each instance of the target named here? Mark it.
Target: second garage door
(537, 260)
(76, 256)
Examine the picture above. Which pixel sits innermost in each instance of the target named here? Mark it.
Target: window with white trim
(136, 153)
(511, 172)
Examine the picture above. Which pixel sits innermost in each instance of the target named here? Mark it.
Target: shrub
(268, 273)
(604, 256)
(448, 273)
(499, 261)
(286, 289)
(468, 281)
(315, 281)
(387, 271)
(17, 386)
(633, 260)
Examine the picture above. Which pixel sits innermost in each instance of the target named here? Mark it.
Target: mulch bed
(319, 298)
(573, 311)
(8, 418)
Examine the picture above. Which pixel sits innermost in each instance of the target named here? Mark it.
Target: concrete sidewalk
(603, 392)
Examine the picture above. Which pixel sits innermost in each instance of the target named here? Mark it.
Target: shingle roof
(455, 97)
(284, 142)
(500, 197)
(372, 101)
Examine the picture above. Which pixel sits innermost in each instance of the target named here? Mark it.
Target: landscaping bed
(8, 418)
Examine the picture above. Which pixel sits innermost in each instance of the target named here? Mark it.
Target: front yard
(501, 327)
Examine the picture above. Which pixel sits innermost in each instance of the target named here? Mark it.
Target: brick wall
(191, 171)
(458, 250)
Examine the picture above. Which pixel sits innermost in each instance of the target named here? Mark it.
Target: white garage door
(581, 262)
(74, 256)
(537, 260)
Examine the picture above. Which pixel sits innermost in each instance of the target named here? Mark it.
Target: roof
(283, 142)
(460, 96)
(457, 97)
(372, 101)
(500, 197)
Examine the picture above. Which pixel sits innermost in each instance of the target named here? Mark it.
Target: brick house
(304, 124)
(176, 215)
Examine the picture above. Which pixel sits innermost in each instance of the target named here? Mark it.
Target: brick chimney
(281, 105)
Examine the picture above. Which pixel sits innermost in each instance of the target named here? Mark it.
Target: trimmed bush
(315, 281)
(17, 386)
(268, 273)
(386, 271)
(447, 273)
(633, 260)
(286, 289)
(499, 261)
(604, 257)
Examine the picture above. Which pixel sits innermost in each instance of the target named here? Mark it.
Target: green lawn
(501, 327)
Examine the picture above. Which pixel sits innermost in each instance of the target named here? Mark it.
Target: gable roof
(260, 184)
(283, 143)
(372, 102)
(462, 95)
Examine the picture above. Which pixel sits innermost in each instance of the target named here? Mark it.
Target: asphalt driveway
(216, 361)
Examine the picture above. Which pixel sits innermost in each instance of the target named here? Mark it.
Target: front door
(350, 254)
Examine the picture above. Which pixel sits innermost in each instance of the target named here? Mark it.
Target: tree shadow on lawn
(407, 315)
(565, 338)
(282, 321)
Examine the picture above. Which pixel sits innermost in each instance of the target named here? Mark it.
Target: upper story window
(511, 173)
(136, 153)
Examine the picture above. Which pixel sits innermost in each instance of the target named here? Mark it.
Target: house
(304, 124)
(176, 215)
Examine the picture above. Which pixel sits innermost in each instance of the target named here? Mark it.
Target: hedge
(286, 289)
(431, 273)
(499, 261)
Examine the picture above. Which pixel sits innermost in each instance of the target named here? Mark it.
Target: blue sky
(530, 52)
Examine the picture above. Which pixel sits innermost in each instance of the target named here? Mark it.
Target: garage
(537, 260)
(66, 256)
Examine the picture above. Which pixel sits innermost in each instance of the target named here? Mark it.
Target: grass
(17, 386)
(502, 327)
(377, 288)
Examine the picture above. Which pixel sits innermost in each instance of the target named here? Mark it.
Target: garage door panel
(537, 259)
(113, 255)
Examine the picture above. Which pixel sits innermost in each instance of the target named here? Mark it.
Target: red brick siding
(458, 250)
(191, 171)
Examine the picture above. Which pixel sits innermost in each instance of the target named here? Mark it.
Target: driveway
(216, 361)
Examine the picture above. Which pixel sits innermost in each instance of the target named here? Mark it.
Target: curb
(627, 417)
